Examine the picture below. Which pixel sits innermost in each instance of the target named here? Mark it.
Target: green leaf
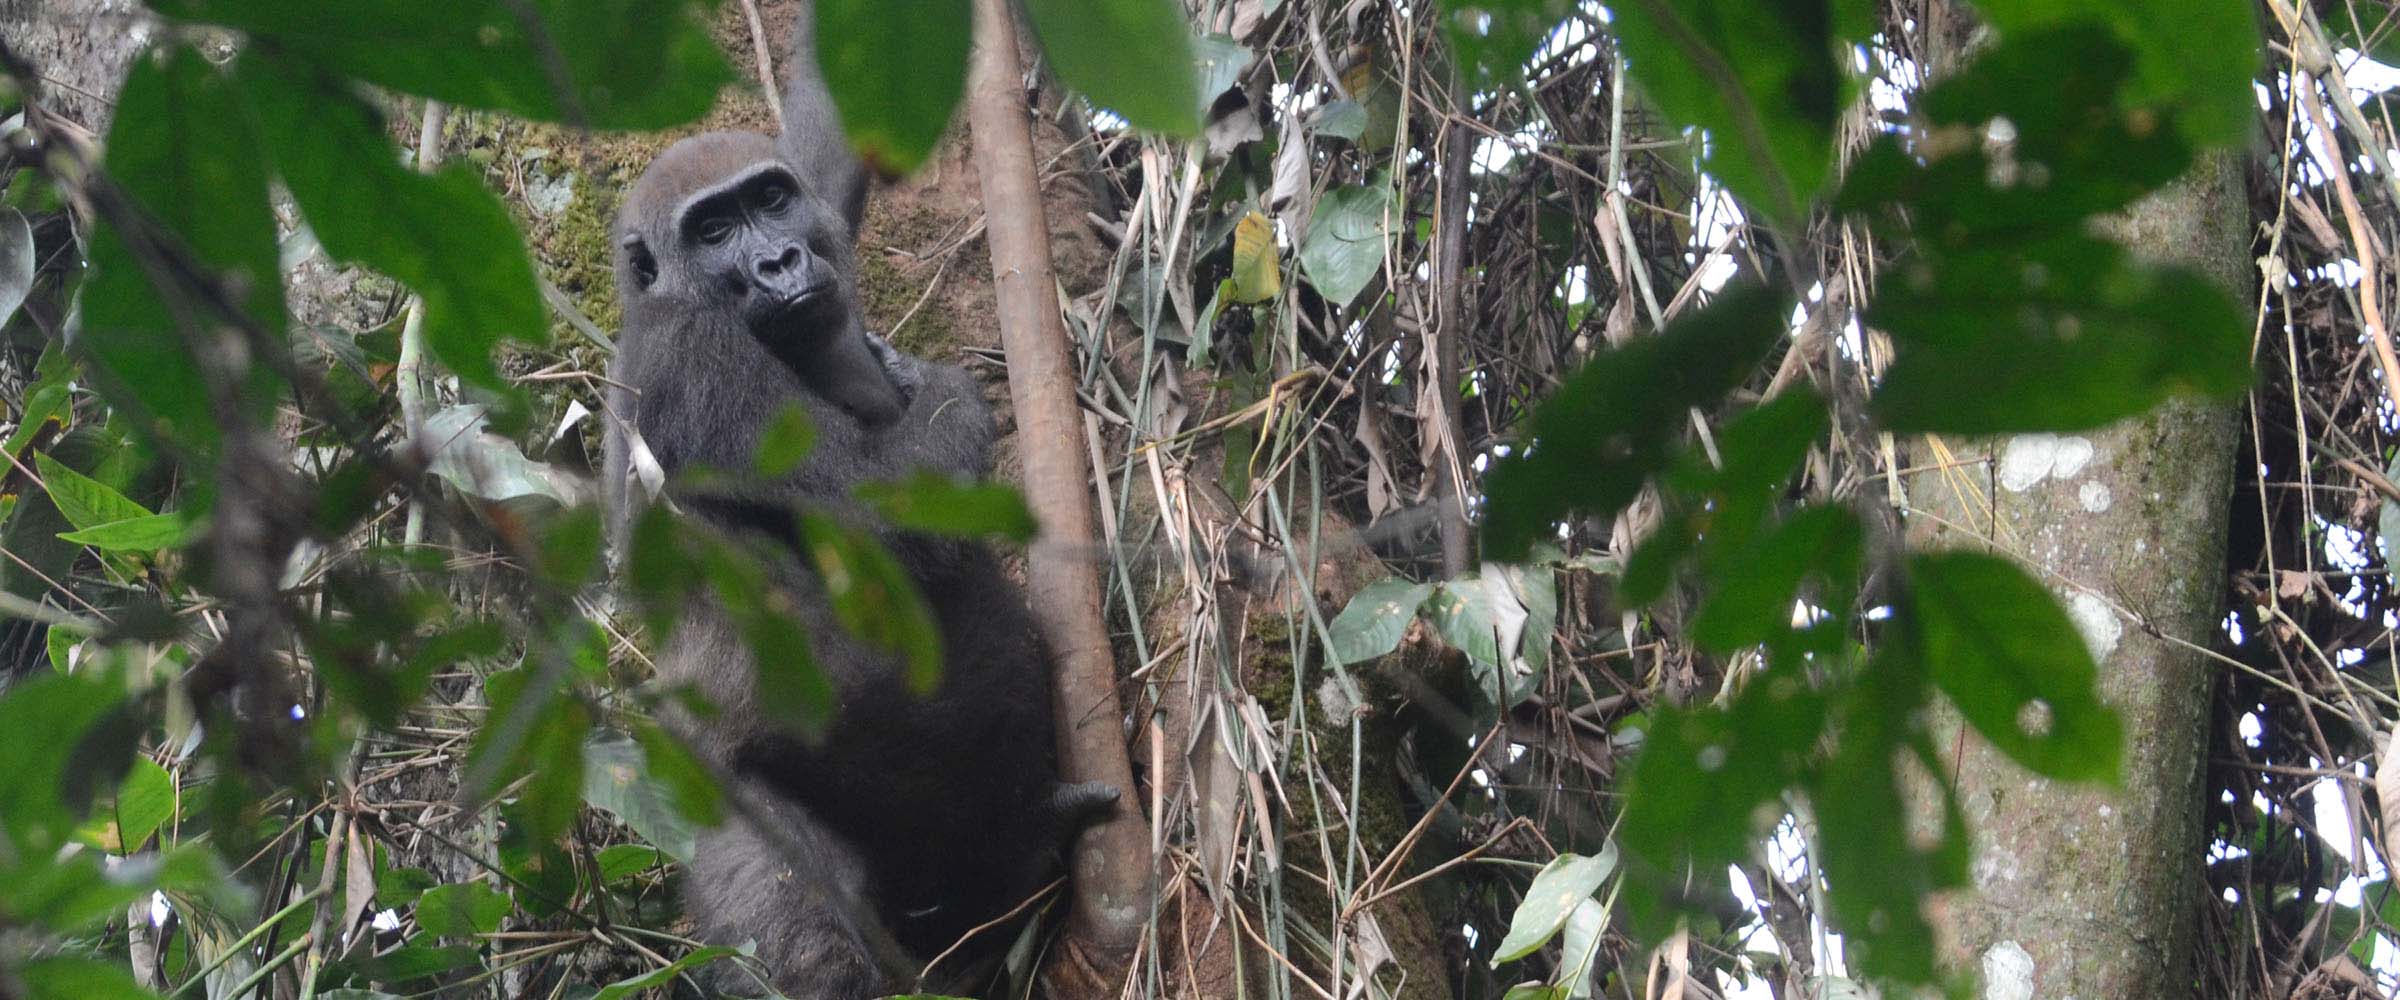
(1880, 880)
(462, 910)
(46, 408)
(1564, 884)
(1345, 245)
(63, 978)
(620, 64)
(619, 862)
(184, 149)
(2060, 334)
(88, 503)
(396, 887)
(1753, 590)
(1495, 38)
(663, 974)
(1133, 57)
(55, 758)
(874, 598)
(896, 71)
(1340, 119)
(1614, 424)
(1702, 773)
(552, 795)
(1376, 619)
(145, 802)
(2028, 140)
(1503, 619)
(792, 690)
(2195, 60)
(940, 505)
(416, 961)
(1765, 79)
(786, 442)
(1998, 644)
(443, 235)
(617, 778)
(481, 463)
(75, 893)
(135, 534)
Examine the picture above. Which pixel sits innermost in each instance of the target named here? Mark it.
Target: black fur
(925, 815)
(812, 129)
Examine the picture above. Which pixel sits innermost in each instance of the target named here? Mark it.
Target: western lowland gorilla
(914, 818)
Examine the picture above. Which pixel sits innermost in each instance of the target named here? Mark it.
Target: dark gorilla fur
(916, 818)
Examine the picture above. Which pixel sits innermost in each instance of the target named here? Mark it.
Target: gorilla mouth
(800, 300)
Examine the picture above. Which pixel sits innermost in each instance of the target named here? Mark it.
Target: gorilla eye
(715, 231)
(775, 197)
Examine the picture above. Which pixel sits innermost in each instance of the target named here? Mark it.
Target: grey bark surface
(2079, 891)
(79, 49)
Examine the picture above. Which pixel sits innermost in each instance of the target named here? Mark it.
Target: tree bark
(2081, 891)
(1111, 861)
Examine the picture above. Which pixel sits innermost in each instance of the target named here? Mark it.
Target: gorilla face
(752, 239)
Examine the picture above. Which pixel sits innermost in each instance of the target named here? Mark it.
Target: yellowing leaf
(1257, 275)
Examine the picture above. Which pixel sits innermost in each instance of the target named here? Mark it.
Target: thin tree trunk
(1111, 862)
(1442, 426)
(2075, 890)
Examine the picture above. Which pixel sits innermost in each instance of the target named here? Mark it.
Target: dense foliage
(232, 619)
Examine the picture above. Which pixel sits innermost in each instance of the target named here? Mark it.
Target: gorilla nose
(786, 277)
(781, 265)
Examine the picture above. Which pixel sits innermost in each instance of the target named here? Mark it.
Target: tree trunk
(1111, 861)
(2080, 891)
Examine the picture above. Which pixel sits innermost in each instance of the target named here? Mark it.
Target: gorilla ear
(637, 252)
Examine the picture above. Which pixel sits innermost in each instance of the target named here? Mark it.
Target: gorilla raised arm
(812, 129)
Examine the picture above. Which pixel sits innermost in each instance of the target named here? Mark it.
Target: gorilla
(915, 818)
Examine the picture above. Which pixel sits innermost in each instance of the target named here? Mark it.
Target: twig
(766, 63)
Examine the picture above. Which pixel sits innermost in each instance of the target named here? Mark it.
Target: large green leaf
(64, 978)
(1880, 881)
(792, 689)
(1346, 239)
(481, 463)
(1493, 39)
(1695, 789)
(145, 801)
(60, 752)
(941, 505)
(1614, 424)
(1133, 57)
(614, 64)
(184, 149)
(2195, 59)
(1376, 619)
(1752, 590)
(1765, 79)
(664, 974)
(135, 534)
(461, 910)
(896, 71)
(874, 598)
(2060, 334)
(2029, 139)
(1564, 884)
(1997, 643)
(88, 503)
(443, 235)
(617, 778)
